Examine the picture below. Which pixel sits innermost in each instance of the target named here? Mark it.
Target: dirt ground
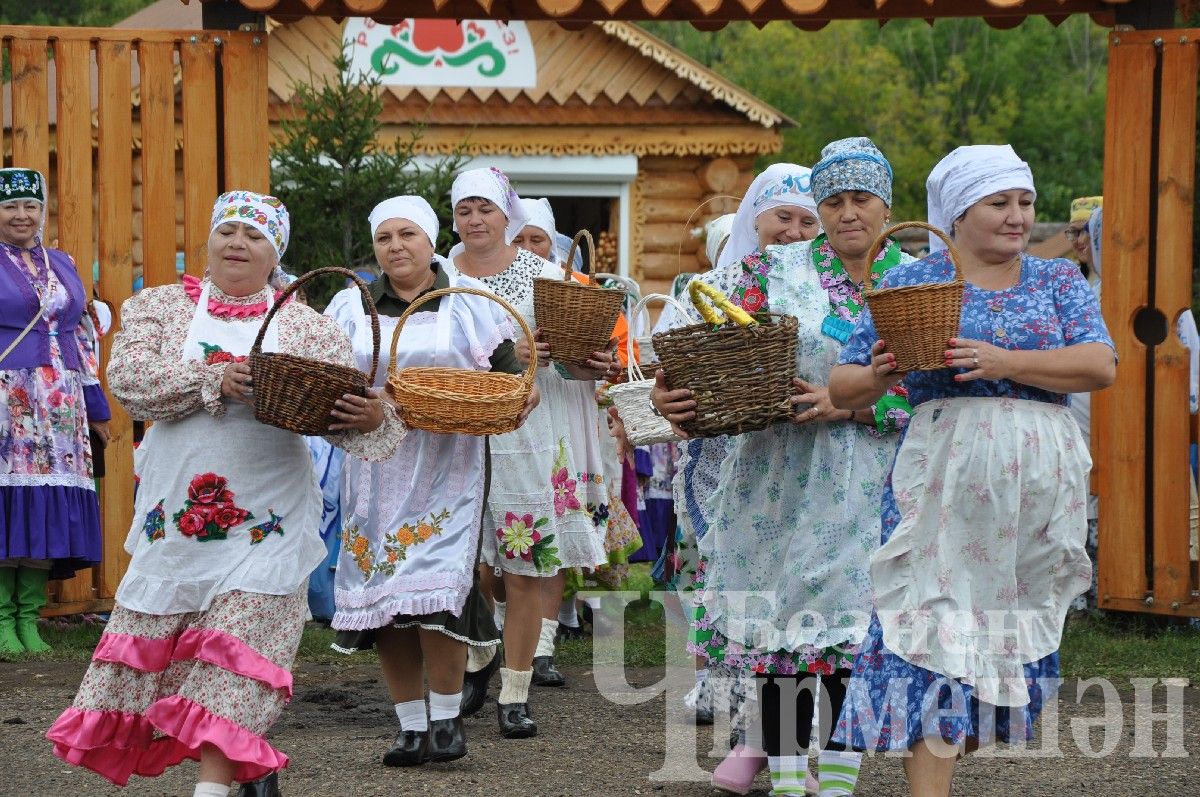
(340, 723)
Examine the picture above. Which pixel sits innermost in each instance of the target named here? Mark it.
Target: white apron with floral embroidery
(547, 477)
(224, 503)
(411, 532)
(978, 575)
(795, 516)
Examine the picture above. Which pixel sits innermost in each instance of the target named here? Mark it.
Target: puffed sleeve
(310, 334)
(145, 371)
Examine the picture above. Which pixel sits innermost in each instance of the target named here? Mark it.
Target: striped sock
(787, 774)
(838, 773)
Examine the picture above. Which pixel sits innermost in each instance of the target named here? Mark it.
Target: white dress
(545, 475)
(411, 528)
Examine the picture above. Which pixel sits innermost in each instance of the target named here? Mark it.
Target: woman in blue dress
(984, 517)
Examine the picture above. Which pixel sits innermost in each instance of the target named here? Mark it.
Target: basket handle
(582, 235)
(718, 307)
(295, 286)
(530, 371)
(877, 244)
(633, 368)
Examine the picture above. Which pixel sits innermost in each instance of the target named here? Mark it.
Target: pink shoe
(737, 772)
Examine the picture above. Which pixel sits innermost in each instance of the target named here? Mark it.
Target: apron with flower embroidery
(412, 523)
(225, 503)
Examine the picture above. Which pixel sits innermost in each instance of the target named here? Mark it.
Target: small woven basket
(643, 425)
(296, 393)
(917, 321)
(459, 400)
(576, 319)
(740, 376)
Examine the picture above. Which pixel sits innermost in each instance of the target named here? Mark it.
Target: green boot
(31, 597)
(10, 645)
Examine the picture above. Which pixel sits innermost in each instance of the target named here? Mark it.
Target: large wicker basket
(643, 425)
(459, 400)
(917, 321)
(296, 393)
(576, 319)
(740, 376)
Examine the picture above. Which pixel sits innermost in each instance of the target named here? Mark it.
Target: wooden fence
(1141, 429)
(88, 106)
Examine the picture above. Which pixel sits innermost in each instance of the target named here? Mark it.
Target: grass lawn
(1116, 646)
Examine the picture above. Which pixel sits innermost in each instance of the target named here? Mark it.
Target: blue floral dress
(892, 703)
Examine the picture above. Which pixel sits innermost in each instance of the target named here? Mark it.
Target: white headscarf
(716, 232)
(493, 185)
(779, 185)
(410, 208)
(967, 175)
(539, 214)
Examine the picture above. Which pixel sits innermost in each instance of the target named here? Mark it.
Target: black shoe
(545, 673)
(263, 787)
(704, 716)
(447, 739)
(568, 632)
(475, 687)
(515, 722)
(409, 750)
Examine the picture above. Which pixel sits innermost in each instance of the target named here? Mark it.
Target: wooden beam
(244, 92)
(30, 105)
(73, 131)
(157, 65)
(1120, 411)
(199, 148)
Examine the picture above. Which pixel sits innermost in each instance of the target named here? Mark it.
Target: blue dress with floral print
(892, 703)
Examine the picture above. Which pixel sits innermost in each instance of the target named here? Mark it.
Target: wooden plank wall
(1144, 511)
(103, 122)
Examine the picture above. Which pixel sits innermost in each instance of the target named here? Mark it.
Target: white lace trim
(46, 480)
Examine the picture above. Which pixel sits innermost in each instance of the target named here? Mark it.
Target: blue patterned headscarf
(852, 164)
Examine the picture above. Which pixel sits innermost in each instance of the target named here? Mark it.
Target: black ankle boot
(409, 750)
(515, 722)
(263, 787)
(475, 687)
(545, 673)
(447, 739)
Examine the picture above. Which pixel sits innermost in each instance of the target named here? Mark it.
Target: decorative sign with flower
(443, 52)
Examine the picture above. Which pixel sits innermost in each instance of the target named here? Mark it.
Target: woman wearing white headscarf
(984, 512)
(195, 661)
(546, 477)
(795, 512)
(405, 580)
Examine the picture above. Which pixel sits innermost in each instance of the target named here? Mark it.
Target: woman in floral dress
(545, 474)
(49, 396)
(195, 662)
(984, 512)
(793, 520)
(407, 571)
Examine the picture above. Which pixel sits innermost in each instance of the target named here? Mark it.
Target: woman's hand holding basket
(521, 349)
(821, 408)
(677, 406)
(981, 360)
(364, 414)
(237, 383)
(535, 398)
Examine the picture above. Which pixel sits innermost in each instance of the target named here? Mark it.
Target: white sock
(412, 716)
(567, 614)
(514, 686)
(837, 772)
(444, 707)
(754, 739)
(593, 602)
(206, 788)
(545, 645)
(498, 615)
(480, 656)
(787, 774)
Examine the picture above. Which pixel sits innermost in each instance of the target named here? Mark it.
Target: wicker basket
(576, 319)
(459, 400)
(917, 321)
(740, 376)
(643, 425)
(296, 393)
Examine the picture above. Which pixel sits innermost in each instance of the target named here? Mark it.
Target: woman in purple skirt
(49, 396)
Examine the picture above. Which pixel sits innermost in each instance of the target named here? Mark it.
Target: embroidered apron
(224, 503)
(412, 523)
(978, 575)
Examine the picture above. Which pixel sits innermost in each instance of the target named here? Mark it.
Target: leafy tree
(79, 13)
(331, 168)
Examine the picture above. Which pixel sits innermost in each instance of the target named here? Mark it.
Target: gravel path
(341, 722)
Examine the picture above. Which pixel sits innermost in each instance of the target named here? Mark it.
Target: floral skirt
(161, 686)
